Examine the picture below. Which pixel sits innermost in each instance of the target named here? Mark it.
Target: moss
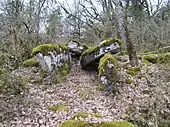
(133, 70)
(90, 50)
(77, 123)
(81, 114)
(2, 71)
(59, 79)
(45, 48)
(157, 58)
(164, 58)
(104, 61)
(164, 123)
(64, 69)
(101, 87)
(62, 72)
(31, 63)
(110, 41)
(116, 124)
(59, 108)
(42, 73)
(98, 115)
(129, 81)
(152, 58)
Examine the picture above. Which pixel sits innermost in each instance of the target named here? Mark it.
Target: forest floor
(146, 100)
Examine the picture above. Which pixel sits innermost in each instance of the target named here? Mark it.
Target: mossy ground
(76, 123)
(133, 70)
(165, 123)
(59, 108)
(31, 63)
(85, 115)
(81, 114)
(129, 81)
(63, 71)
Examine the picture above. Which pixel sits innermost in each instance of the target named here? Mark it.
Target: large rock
(108, 69)
(76, 48)
(93, 54)
(54, 59)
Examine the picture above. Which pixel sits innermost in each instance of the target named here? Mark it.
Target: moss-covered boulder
(45, 48)
(77, 123)
(157, 58)
(108, 69)
(93, 54)
(54, 59)
(33, 62)
(76, 48)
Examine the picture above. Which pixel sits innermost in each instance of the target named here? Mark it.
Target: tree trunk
(122, 21)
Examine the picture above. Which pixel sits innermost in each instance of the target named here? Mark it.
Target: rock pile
(55, 59)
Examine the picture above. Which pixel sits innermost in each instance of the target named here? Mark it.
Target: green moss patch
(129, 81)
(64, 69)
(157, 58)
(164, 123)
(98, 115)
(81, 114)
(62, 72)
(31, 63)
(85, 115)
(152, 58)
(111, 40)
(133, 70)
(59, 108)
(90, 50)
(104, 61)
(45, 48)
(76, 123)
